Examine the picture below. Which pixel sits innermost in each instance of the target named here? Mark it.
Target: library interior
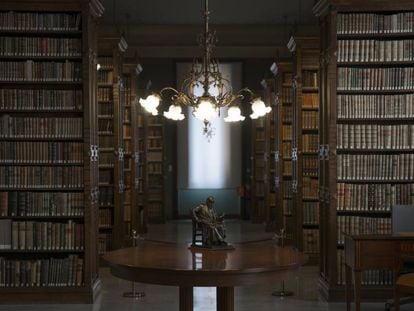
(206, 155)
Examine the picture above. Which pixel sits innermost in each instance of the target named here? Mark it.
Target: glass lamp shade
(151, 103)
(234, 115)
(259, 108)
(174, 113)
(205, 110)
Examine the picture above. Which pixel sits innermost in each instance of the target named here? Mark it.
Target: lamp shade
(174, 113)
(234, 115)
(151, 103)
(259, 108)
(205, 110)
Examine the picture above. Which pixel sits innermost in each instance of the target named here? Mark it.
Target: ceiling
(184, 12)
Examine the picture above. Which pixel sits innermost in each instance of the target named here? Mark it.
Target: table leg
(186, 298)
(348, 286)
(357, 290)
(225, 298)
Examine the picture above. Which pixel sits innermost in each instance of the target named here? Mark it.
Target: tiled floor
(163, 298)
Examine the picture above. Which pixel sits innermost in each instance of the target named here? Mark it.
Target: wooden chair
(404, 284)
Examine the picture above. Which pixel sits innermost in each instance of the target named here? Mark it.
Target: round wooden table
(177, 265)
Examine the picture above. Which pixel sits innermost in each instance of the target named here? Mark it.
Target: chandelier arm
(248, 91)
(169, 88)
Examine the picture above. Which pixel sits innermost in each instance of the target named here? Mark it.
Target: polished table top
(177, 265)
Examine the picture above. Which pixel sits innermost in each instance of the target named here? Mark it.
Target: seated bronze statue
(210, 223)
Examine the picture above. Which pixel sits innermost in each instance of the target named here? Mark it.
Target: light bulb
(234, 115)
(174, 113)
(259, 108)
(205, 110)
(151, 103)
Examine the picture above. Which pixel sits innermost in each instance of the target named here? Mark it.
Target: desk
(372, 252)
(177, 265)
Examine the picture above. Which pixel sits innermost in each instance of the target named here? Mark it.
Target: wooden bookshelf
(110, 88)
(49, 151)
(362, 39)
(138, 215)
(305, 116)
(284, 128)
(133, 207)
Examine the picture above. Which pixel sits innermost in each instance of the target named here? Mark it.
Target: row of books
(260, 133)
(32, 235)
(287, 132)
(309, 78)
(30, 70)
(310, 187)
(50, 272)
(287, 168)
(43, 46)
(156, 168)
(105, 218)
(41, 177)
(105, 76)
(375, 106)
(368, 277)
(106, 158)
(362, 225)
(154, 143)
(372, 197)
(104, 243)
(310, 143)
(126, 130)
(375, 78)
(287, 188)
(36, 21)
(27, 99)
(310, 213)
(375, 50)
(373, 167)
(105, 62)
(368, 136)
(106, 126)
(106, 109)
(40, 127)
(41, 152)
(310, 166)
(287, 114)
(287, 95)
(310, 120)
(106, 177)
(106, 141)
(106, 196)
(41, 204)
(155, 131)
(371, 23)
(258, 187)
(310, 100)
(286, 149)
(104, 94)
(311, 241)
(287, 207)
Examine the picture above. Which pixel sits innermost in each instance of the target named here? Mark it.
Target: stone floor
(160, 298)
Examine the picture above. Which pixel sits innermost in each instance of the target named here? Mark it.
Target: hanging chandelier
(217, 91)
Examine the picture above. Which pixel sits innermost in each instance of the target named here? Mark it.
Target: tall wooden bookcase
(111, 146)
(305, 146)
(138, 214)
(366, 133)
(49, 153)
(133, 208)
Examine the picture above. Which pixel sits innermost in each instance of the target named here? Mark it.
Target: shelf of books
(111, 161)
(285, 79)
(48, 151)
(366, 134)
(131, 132)
(305, 52)
(136, 180)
